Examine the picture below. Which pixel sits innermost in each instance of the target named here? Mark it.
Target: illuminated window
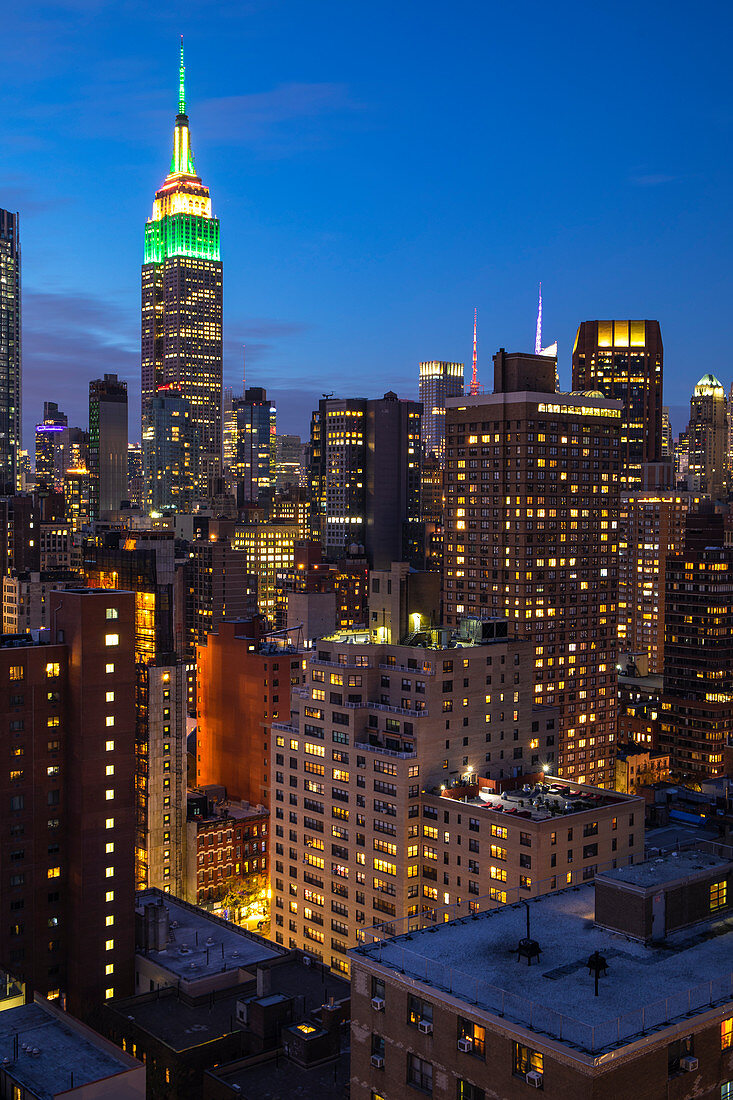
(109, 823)
(109, 993)
(726, 1033)
(17, 672)
(109, 872)
(109, 746)
(110, 719)
(109, 668)
(109, 969)
(111, 639)
(109, 920)
(109, 794)
(110, 697)
(109, 896)
(54, 872)
(718, 895)
(53, 669)
(109, 848)
(112, 613)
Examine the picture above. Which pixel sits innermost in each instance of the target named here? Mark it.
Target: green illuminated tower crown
(181, 224)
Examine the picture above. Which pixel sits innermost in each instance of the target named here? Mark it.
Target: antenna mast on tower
(474, 375)
(538, 334)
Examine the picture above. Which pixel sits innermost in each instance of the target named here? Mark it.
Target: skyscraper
(253, 434)
(623, 361)
(169, 452)
(697, 704)
(531, 495)
(438, 379)
(10, 351)
(52, 441)
(365, 476)
(182, 304)
(708, 437)
(107, 445)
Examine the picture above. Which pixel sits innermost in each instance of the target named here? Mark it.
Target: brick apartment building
(67, 800)
(596, 993)
(244, 679)
(373, 729)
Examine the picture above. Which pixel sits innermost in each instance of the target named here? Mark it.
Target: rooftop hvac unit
(425, 1026)
(534, 1079)
(465, 1045)
(377, 1061)
(689, 1064)
(378, 1004)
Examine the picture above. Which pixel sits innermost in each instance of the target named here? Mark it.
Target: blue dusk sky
(379, 169)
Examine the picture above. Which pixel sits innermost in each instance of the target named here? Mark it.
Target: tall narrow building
(10, 352)
(438, 379)
(182, 304)
(708, 438)
(623, 360)
(107, 445)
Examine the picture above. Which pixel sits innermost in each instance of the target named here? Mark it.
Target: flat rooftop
(275, 1080)
(475, 960)
(539, 801)
(182, 1025)
(53, 1051)
(668, 868)
(200, 945)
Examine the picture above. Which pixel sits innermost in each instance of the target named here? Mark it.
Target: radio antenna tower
(474, 374)
(538, 334)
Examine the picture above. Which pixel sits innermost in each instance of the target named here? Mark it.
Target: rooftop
(53, 1053)
(278, 1078)
(202, 945)
(646, 987)
(181, 1024)
(539, 801)
(669, 868)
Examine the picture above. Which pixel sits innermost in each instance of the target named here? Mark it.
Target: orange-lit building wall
(239, 693)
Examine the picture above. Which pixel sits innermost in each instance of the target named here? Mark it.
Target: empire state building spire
(181, 332)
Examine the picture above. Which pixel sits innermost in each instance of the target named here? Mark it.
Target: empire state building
(181, 333)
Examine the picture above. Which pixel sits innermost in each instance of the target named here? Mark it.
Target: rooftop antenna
(182, 85)
(538, 333)
(474, 374)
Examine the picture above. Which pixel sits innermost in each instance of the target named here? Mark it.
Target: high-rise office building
(697, 704)
(10, 351)
(107, 445)
(135, 475)
(623, 360)
(667, 441)
(531, 492)
(182, 306)
(651, 527)
(708, 438)
(169, 452)
(365, 476)
(438, 379)
(253, 444)
(52, 441)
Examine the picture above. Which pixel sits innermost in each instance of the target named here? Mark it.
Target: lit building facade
(438, 379)
(373, 729)
(623, 360)
(253, 445)
(169, 453)
(10, 351)
(182, 305)
(52, 441)
(651, 526)
(531, 532)
(708, 438)
(366, 459)
(696, 721)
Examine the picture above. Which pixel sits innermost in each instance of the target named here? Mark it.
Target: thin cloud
(653, 179)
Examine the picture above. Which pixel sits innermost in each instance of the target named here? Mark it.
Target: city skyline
(295, 142)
